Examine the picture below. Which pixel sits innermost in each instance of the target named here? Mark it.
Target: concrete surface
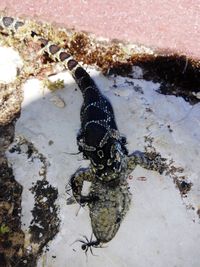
(162, 24)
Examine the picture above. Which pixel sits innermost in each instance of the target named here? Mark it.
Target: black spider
(88, 244)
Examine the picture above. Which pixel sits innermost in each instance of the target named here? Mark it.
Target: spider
(88, 244)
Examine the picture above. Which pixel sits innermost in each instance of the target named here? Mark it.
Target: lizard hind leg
(76, 183)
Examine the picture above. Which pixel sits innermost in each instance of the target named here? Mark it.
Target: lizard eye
(100, 153)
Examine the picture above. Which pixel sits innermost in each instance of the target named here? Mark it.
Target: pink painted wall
(164, 24)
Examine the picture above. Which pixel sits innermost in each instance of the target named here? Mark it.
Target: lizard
(101, 143)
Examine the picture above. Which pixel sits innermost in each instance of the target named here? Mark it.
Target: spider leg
(79, 240)
(82, 241)
(86, 238)
(91, 237)
(92, 251)
(86, 250)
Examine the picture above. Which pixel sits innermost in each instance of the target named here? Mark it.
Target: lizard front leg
(150, 162)
(76, 182)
